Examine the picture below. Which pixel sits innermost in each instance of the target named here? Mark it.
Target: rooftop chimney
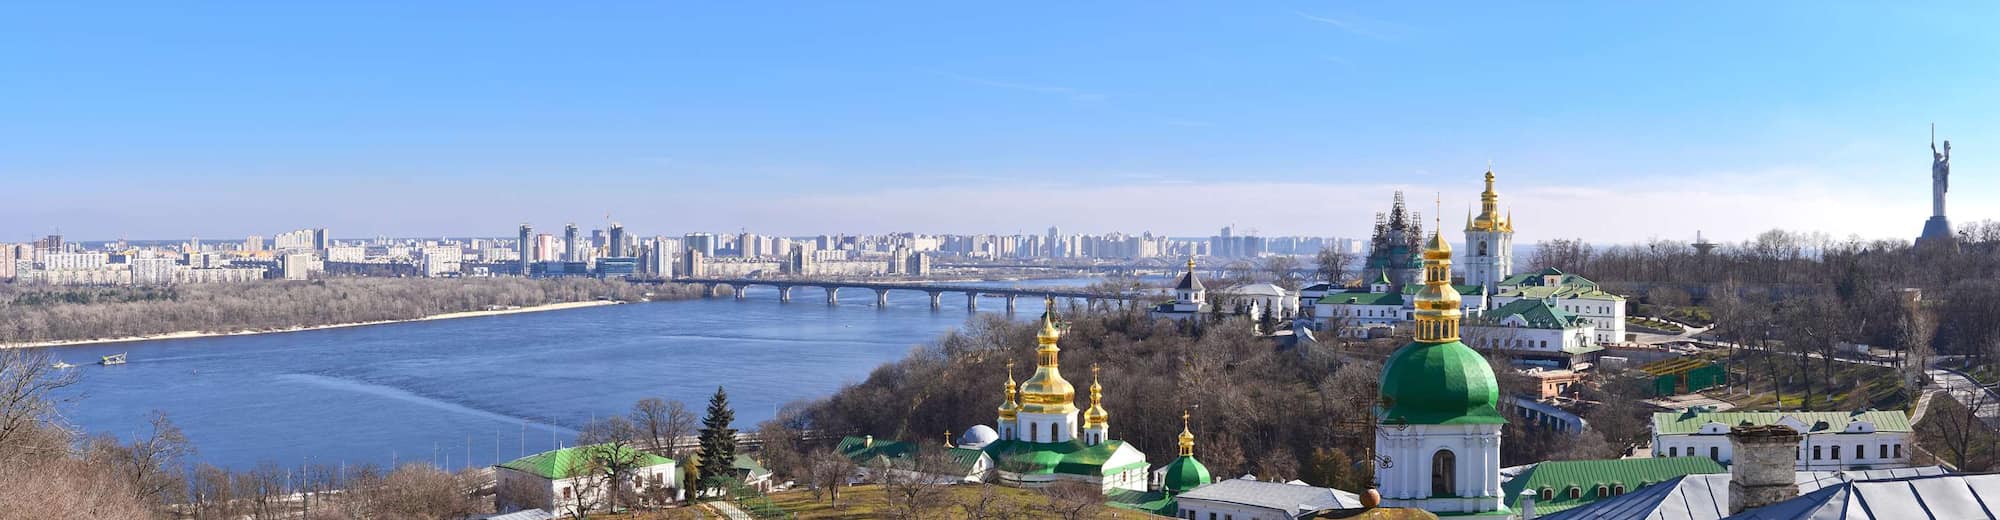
(1762, 473)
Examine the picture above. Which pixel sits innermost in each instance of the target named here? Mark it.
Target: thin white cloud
(1067, 92)
(1724, 206)
(1351, 25)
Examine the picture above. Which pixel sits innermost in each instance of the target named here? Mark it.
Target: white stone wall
(1872, 444)
(1497, 265)
(1406, 480)
(1034, 427)
(1606, 314)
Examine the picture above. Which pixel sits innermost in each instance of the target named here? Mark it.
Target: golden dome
(1187, 437)
(1047, 392)
(1438, 302)
(1096, 416)
(1437, 248)
(1489, 218)
(1010, 407)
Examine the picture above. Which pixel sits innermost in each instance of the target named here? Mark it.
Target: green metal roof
(856, 449)
(1560, 475)
(1155, 502)
(1684, 422)
(570, 462)
(1042, 458)
(1184, 474)
(747, 467)
(1439, 383)
(1361, 298)
(1539, 314)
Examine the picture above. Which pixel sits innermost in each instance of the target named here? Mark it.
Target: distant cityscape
(606, 252)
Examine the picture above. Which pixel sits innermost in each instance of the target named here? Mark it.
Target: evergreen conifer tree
(718, 440)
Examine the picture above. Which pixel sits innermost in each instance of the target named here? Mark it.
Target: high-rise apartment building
(703, 242)
(572, 244)
(526, 247)
(616, 245)
(545, 248)
(7, 259)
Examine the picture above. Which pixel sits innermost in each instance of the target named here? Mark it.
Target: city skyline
(1291, 119)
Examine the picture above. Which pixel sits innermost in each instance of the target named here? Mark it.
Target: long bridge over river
(734, 286)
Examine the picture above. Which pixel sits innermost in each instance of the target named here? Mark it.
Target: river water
(478, 390)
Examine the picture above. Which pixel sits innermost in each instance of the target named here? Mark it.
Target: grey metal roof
(1907, 498)
(1188, 282)
(1706, 497)
(1290, 498)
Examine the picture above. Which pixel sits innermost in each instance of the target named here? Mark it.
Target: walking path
(727, 509)
(1982, 400)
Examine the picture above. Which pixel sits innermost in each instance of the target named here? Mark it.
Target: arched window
(1482, 248)
(1603, 491)
(1034, 434)
(1618, 490)
(1575, 492)
(1052, 433)
(1444, 469)
(1548, 494)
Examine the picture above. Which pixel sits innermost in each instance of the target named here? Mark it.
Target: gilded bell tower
(1489, 241)
(1010, 407)
(1048, 402)
(1096, 421)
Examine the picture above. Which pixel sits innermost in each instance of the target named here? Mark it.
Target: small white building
(1241, 499)
(1265, 297)
(561, 480)
(1829, 440)
(1354, 312)
(1533, 329)
(1190, 298)
(1572, 294)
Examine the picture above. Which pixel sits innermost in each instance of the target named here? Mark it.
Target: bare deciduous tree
(1073, 500)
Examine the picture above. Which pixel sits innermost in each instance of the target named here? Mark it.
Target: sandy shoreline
(193, 334)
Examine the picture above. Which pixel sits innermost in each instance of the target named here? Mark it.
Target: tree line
(1304, 413)
(37, 313)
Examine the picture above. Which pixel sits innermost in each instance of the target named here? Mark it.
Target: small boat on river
(59, 365)
(114, 359)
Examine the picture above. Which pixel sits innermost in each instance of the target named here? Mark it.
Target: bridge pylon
(881, 298)
(937, 300)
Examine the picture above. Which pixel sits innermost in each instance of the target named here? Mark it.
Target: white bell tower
(1489, 242)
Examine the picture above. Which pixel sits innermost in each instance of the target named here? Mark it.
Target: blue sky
(1609, 121)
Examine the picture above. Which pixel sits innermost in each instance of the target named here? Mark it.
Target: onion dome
(1010, 406)
(1489, 218)
(1047, 392)
(1185, 473)
(1096, 416)
(1436, 379)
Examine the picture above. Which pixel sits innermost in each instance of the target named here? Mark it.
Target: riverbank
(200, 334)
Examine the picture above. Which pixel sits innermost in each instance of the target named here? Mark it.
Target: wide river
(493, 388)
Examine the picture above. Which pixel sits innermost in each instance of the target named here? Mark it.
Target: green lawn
(1854, 385)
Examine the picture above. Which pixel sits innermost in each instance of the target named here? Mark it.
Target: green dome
(1184, 474)
(1439, 383)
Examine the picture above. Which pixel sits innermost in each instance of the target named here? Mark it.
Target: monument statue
(1938, 228)
(1940, 177)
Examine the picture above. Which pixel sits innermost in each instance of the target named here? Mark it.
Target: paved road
(1966, 391)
